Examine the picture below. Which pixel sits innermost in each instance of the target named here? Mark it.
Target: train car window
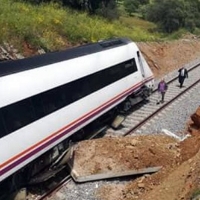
(131, 65)
(115, 73)
(38, 106)
(76, 91)
(53, 100)
(26, 111)
(18, 115)
(85, 88)
(98, 80)
(123, 70)
(3, 131)
(67, 91)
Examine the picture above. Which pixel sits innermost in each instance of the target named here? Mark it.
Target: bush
(190, 25)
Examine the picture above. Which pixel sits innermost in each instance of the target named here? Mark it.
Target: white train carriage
(47, 98)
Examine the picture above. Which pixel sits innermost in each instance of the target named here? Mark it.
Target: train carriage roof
(14, 66)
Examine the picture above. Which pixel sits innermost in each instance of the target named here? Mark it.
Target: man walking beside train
(183, 73)
(162, 88)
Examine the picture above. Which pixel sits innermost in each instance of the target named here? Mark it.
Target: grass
(50, 26)
(195, 193)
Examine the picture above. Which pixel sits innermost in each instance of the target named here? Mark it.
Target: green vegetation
(172, 15)
(196, 194)
(51, 26)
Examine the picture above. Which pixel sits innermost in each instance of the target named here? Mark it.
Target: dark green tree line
(132, 5)
(106, 8)
(171, 15)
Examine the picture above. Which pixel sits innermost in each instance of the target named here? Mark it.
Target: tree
(131, 6)
(169, 14)
(108, 9)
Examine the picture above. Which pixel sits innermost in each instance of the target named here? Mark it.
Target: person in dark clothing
(162, 88)
(183, 73)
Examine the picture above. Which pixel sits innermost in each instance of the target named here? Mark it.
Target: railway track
(58, 185)
(141, 117)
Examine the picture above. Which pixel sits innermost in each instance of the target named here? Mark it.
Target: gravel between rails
(173, 119)
(83, 191)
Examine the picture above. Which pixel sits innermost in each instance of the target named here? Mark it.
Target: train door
(141, 64)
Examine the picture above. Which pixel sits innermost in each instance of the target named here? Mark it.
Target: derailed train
(47, 98)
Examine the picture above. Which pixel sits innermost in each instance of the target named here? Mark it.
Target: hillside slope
(162, 57)
(167, 56)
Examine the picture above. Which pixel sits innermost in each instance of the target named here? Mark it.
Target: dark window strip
(24, 112)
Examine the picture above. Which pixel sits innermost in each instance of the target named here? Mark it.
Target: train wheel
(126, 106)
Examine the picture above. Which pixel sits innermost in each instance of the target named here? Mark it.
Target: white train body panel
(29, 142)
(41, 79)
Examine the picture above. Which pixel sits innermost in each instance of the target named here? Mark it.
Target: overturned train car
(47, 98)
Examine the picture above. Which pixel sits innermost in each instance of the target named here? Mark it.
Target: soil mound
(177, 180)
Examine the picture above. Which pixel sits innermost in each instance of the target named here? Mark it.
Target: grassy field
(52, 27)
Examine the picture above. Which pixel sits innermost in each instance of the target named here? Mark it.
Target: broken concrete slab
(117, 121)
(106, 175)
(114, 157)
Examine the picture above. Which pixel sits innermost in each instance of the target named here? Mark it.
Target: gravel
(83, 191)
(175, 118)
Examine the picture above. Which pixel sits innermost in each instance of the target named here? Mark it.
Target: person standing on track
(162, 88)
(183, 73)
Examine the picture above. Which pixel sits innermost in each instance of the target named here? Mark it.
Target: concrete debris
(106, 175)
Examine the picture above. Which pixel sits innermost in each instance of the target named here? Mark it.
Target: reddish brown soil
(164, 57)
(177, 179)
(120, 154)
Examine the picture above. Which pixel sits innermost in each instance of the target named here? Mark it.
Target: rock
(152, 151)
(141, 185)
(134, 142)
(21, 195)
(196, 117)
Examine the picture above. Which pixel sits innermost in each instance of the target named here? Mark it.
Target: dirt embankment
(164, 57)
(178, 178)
